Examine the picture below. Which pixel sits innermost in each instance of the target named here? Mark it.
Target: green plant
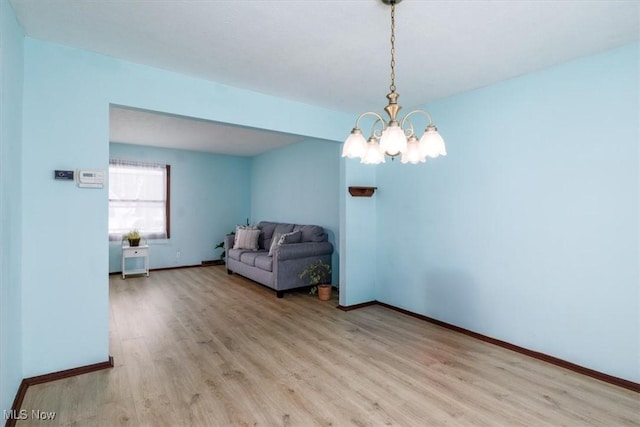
(133, 235)
(317, 273)
(221, 245)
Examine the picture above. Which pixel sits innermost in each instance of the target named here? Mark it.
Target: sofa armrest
(302, 250)
(228, 241)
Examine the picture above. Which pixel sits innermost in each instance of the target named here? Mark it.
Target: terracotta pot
(134, 242)
(324, 292)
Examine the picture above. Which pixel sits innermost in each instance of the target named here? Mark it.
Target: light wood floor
(198, 347)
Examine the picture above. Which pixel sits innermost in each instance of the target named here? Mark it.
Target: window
(138, 199)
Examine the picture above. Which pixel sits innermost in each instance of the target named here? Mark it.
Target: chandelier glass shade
(392, 137)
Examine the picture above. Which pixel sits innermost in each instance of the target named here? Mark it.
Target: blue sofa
(281, 270)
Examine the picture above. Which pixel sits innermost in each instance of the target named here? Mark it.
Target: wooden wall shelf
(362, 191)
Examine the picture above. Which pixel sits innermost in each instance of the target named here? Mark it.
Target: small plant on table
(133, 237)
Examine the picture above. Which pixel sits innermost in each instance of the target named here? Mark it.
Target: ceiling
(134, 126)
(333, 53)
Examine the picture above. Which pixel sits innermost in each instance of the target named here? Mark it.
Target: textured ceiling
(336, 53)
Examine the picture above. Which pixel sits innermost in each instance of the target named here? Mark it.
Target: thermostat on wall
(63, 175)
(90, 178)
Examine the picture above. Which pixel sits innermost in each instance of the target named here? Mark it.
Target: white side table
(141, 251)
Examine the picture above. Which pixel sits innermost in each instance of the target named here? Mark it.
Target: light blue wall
(528, 230)
(359, 239)
(209, 195)
(11, 83)
(299, 184)
(66, 126)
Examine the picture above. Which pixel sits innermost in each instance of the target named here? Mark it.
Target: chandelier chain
(392, 87)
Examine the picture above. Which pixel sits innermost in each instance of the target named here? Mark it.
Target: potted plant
(319, 276)
(133, 237)
(221, 246)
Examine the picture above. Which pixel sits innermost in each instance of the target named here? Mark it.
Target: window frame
(167, 210)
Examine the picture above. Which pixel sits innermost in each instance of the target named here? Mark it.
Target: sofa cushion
(311, 233)
(236, 253)
(267, 228)
(249, 257)
(264, 262)
(284, 228)
(246, 238)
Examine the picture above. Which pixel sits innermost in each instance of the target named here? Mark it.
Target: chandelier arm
(375, 133)
(414, 112)
(410, 128)
(371, 113)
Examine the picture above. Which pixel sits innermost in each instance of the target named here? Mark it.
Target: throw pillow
(274, 243)
(293, 237)
(242, 227)
(284, 238)
(246, 239)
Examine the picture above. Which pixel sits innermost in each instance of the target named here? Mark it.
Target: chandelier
(396, 136)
